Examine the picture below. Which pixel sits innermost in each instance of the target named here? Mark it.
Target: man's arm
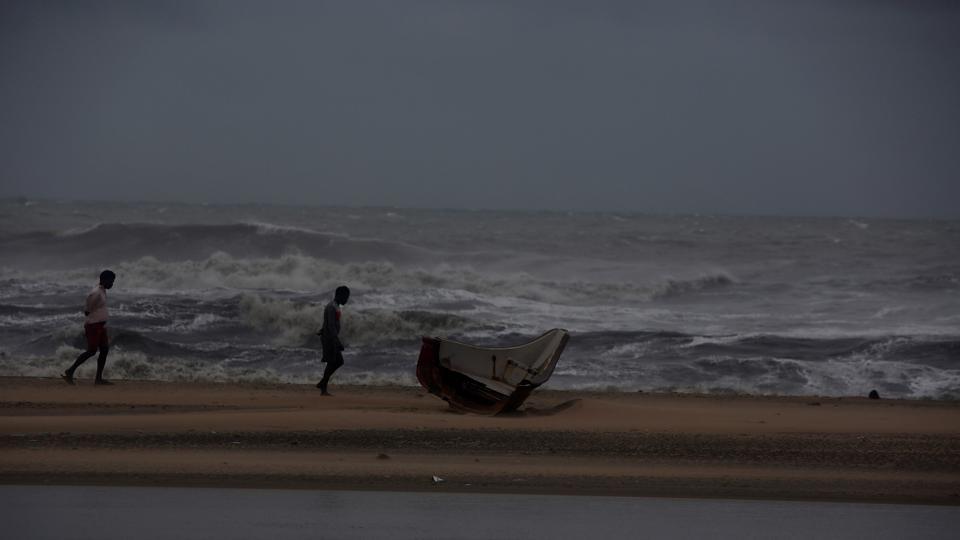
(332, 325)
(94, 301)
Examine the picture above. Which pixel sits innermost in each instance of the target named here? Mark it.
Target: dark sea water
(764, 305)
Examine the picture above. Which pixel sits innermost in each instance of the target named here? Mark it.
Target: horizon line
(903, 217)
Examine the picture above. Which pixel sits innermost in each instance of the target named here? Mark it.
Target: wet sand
(382, 438)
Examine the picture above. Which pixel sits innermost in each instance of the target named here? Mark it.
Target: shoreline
(398, 438)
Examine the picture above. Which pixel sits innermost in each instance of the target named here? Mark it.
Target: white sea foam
(200, 321)
(77, 231)
(20, 321)
(778, 377)
(697, 341)
(132, 365)
(301, 273)
(886, 312)
(862, 225)
(295, 322)
(835, 377)
(263, 227)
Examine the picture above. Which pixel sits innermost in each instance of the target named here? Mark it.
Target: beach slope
(386, 438)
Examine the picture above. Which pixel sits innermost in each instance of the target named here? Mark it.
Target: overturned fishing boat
(488, 380)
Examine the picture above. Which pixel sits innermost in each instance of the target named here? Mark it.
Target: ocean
(686, 303)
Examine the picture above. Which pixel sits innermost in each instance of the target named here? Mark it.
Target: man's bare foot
(102, 382)
(68, 378)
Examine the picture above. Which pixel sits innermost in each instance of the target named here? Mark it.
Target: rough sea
(696, 303)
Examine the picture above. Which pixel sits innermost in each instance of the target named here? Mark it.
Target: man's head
(341, 295)
(106, 278)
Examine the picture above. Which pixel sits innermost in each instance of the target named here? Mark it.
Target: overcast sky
(842, 107)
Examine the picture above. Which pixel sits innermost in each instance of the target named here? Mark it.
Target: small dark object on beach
(874, 394)
(814, 403)
(383, 456)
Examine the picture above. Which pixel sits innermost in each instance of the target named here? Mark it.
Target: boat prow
(488, 380)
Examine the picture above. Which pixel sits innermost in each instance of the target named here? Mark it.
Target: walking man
(330, 337)
(95, 329)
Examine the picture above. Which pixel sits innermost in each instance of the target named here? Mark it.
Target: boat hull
(488, 381)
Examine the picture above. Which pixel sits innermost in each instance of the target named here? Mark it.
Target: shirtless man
(95, 329)
(330, 337)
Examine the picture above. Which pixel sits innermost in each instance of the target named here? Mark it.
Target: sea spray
(292, 322)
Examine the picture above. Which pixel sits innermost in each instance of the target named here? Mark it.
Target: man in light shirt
(95, 329)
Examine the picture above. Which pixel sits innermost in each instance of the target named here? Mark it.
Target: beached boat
(488, 380)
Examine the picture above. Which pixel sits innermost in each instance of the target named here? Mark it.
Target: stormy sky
(840, 107)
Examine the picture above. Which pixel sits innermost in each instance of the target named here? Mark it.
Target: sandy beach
(398, 438)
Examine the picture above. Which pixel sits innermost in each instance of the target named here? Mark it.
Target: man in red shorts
(95, 328)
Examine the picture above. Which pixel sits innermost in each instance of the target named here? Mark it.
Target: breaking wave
(121, 339)
(263, 365)
(383, 346)
(225, 272)
(673, 287)
(897, 366)
(296, 323)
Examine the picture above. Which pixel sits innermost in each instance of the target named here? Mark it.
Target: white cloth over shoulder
(96, 305)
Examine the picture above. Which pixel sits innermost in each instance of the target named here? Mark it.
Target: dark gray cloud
(758, 107)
